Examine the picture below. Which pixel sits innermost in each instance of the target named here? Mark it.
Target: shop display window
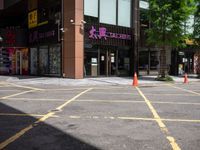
(43, 60)
(54, 60)
(33, 61)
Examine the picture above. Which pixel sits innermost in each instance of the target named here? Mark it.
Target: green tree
(196, 34)
(167, 18)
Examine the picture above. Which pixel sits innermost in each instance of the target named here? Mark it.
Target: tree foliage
(167, 18)
(196, 34)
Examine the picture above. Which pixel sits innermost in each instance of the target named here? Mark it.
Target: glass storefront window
(43, 60)
(124, 13)
(123, 61)
(108, 11)
(33, 61)
(91, 8)
(91, 63)
(54, 60)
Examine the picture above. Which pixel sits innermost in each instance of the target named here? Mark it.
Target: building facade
(73, 38)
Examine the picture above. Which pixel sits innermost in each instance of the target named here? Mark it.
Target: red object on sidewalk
(186, 78)
(135, 80)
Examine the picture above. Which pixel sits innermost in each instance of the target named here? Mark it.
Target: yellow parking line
(162, 119)
(160, 122)
(110, 101)
(22, 115)
(189, 91)
(35, 99)
(128, 101)
(170, 94)
(17, 94)
(15, 137)
(36, 123)
(26, 87)
(175, 103)
(72, 89)
(135, 118)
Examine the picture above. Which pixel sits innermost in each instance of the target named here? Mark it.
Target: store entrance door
(108, 62)
(18, 63)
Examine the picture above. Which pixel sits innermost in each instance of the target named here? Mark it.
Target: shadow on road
(40, 137)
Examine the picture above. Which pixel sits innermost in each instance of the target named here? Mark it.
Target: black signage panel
(43, 35)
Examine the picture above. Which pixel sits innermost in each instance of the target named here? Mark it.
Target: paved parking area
(151, 117)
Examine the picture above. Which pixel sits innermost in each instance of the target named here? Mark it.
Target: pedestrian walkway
(90, 81)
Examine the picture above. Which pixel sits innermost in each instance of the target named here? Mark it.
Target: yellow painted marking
(72, 89)
(26, 87)
(110, 101)
(159, 121)
(162, 119)
(4, 86)
(74, 98)
(22, 115)
(173, 143)
(15, 137)
(181, 120)
(135, 118)
(189, 91)
(175, 103)
(48, 115)
(17, 94)
(75, 117)
(111, 93)
(127, 101)
(170, 94)
(34, 99)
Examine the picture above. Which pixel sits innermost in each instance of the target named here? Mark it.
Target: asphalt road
(158, 117)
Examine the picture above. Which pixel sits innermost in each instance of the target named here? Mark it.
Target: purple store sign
(104, 34)
(36, 36)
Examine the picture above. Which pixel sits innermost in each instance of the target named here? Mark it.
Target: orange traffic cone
(135, 80)
(186, 78)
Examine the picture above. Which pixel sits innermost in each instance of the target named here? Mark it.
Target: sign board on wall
(103, 34)
(32, 19)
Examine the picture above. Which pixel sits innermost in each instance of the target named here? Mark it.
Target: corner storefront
(13, 52)
(45, 51)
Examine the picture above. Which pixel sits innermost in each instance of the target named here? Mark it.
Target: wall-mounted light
(81, 24)
(1, 39)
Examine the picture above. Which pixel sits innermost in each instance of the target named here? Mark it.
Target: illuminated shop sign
(10, 37)
(103, 33)
(32, 19)
(13, 37)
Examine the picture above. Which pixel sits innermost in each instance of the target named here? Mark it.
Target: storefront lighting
(1, 39)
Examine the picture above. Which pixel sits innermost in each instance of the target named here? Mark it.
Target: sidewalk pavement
(100, 81)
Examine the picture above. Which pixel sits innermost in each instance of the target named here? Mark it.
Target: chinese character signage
(43, 34)
(32, 19)
(103, 33)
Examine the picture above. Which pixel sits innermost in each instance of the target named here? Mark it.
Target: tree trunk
(162, 72)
